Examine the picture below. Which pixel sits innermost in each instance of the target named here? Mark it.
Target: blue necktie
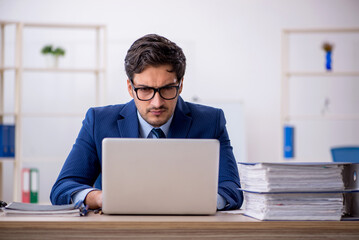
(158, 133)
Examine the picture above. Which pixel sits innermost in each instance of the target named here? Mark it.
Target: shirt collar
(145, 128)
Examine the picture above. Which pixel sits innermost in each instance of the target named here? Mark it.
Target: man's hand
(94, 199)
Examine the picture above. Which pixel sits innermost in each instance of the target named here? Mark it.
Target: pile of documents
(19, 208)
(281, 191)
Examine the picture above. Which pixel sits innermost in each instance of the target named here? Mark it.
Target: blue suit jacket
(83, 165)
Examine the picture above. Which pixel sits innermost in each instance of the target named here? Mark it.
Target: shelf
(326, 117)
(55, 25)
(71, 70)
(6, 159)
(17, 67)
(321, 30)
(60, 114)
(45, 159)
(336, 83)
(322, 74)
(7, 114)
(51, 115)
(2, 69)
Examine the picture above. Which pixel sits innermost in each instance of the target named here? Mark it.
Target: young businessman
(155, 67)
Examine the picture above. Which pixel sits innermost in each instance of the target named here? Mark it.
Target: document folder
(293, 191)
(351, 199)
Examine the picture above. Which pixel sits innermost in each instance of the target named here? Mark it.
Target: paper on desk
(311, 206)
(269, 177)
(234, 212)
(298, 191)
(37, 209)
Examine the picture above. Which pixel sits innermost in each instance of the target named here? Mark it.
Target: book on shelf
(30, 185)
(25, 185)
(293, 191)
(34, 185)
(7, 140)
(288, 141)
(11, 134)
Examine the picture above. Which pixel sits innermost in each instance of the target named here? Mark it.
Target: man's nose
(157, 100)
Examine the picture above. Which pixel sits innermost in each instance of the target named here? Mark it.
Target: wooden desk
(220, 226)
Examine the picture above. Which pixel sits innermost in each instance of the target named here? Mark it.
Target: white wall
(233, 46)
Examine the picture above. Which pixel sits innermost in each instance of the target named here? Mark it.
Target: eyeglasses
(147, 93)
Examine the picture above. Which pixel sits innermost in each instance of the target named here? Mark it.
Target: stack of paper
(275, 191)
(42, 210)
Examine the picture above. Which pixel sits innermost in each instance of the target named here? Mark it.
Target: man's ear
(129, 88)
(180, 89)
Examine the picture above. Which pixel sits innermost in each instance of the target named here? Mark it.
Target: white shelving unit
(289, 74)
(99, 72)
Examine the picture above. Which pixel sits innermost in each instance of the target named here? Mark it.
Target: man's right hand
(94, 199)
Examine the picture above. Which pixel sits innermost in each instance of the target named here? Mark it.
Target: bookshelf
(313, 82)
(17, 69)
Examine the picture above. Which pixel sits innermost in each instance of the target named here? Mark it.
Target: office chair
(345, 154)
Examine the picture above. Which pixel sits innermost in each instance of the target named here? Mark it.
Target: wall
(233, 47)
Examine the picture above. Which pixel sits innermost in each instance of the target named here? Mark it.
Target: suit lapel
(128, 122)
(181, 121)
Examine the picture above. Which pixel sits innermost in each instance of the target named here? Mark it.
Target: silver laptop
(160, 176)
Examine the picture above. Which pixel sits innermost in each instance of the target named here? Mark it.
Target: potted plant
(53, 54)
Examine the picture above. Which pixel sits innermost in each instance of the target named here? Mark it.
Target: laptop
(160, 176)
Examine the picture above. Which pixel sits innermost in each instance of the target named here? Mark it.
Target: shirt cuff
(221, 202)
(81, 195)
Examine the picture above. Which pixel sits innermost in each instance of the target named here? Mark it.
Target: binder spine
(11, 140)
(25, 186)
(34, 185)
(3, 141)
(288, 142)
(7, 140)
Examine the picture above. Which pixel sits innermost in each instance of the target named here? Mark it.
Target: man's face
(156, 111)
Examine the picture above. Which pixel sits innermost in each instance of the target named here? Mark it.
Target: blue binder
(11, 140)
(7, 140)
(288, 141)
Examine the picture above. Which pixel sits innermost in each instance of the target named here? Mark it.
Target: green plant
(58, 52)
(48, 49)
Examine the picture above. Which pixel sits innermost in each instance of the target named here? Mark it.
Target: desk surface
(219, 226)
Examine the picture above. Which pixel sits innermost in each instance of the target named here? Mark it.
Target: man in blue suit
(155, 67)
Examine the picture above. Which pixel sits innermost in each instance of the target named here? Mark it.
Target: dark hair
(154, 50)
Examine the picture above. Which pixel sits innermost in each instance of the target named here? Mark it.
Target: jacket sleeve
(81, 167)
(228, 182)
